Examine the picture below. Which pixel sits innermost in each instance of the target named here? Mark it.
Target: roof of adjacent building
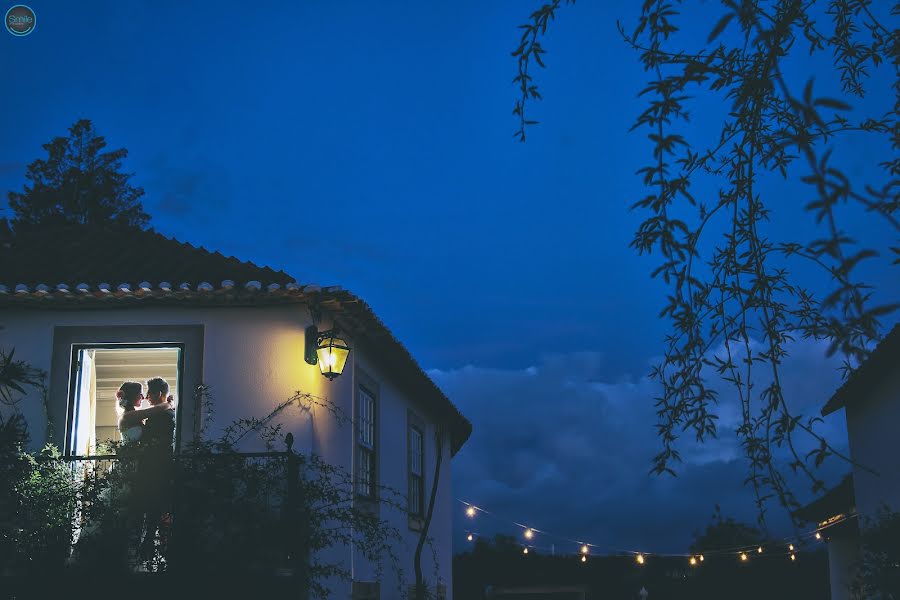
(91, 267)
(836, 501)
(883, 360)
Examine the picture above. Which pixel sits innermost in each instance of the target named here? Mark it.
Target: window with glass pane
(416, 472)
(365, 444)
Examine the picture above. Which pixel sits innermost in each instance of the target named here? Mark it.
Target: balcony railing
(188, 512)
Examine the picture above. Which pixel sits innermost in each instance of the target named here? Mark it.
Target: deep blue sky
(370, 145)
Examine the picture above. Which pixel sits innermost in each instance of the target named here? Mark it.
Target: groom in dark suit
(158, 468)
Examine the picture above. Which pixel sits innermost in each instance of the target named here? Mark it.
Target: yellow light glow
(793, 557)
(584, 559)
(701, 558)
(525, 551)
(640, 559)
(818, 536)
(470, 537)
(584, 549)
(759, 550)
(791, 547)
(332, 356)
(529, 534)
(744, 556)
(470, 512)
(693, 561)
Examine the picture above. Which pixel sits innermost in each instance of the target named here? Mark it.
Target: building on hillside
(871, 399)
(93, 307)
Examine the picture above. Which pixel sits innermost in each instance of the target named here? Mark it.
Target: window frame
(366, 388)
(75, 378)
(415, 424)
(192, 338)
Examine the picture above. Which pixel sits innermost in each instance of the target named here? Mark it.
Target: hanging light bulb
(693, 561)
(470, 537)
(470, 512)
(744, 557)
(793, 557)
(525, 551)
(583, 558)
(529, 533)
(640, 558)
(584, 549)
(701, 558)
(791, 547)
(818, 536)
(759, 550)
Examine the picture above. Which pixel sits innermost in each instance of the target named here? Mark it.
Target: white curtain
(85, 406)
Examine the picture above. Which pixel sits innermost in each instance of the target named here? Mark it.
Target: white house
(871, 399)
(92, 307)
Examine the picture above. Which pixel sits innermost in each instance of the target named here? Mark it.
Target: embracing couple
(151, 426)
(150, 430)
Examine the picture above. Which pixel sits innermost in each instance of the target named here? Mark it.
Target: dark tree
(80, 183)
(740, 290)
(724, 534)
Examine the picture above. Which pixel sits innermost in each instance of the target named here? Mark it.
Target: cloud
(559, 443)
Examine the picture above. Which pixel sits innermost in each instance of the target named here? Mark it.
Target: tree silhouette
(78, 183)
(736, 296)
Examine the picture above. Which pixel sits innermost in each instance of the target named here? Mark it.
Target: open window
(97, 373)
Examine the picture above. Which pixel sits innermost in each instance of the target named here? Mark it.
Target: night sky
(369, 145)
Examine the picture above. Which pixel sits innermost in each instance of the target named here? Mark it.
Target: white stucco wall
(873, 428)
(253, 359)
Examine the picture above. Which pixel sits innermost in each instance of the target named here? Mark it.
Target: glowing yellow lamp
(818, 536)
(470, 512)
(469, 537)
(525, 551)
(327, 350)
(791, 547)
(640, 559)
(529, 534)
(793, 557)
(584, 549)
(701, 558)
(584, 559)
(744, 557)
(759, 550)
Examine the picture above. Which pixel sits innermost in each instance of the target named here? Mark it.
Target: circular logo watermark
(20, 20)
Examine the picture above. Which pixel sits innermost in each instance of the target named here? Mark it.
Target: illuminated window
(97, 372)
(365, 443)
(416, 494)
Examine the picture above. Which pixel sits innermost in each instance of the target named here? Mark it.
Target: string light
(694, 560)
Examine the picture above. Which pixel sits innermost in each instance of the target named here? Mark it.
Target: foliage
(78, 183)
(230, 512)
(15, 376)
(737, 297)
(877, 573)
(724, 534)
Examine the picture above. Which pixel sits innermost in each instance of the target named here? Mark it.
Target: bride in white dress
(131, 418)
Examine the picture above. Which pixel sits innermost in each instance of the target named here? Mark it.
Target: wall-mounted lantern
(327, 350)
